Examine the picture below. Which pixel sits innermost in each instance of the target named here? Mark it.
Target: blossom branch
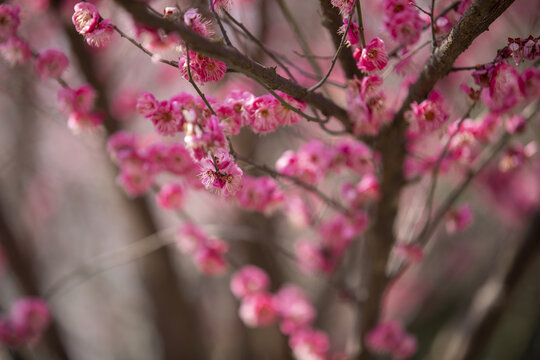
(237, 61)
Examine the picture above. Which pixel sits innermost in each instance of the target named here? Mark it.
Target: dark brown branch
(332, 21)
(475, 21)
(236, 61)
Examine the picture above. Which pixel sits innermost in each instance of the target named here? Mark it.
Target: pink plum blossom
(249, 280)
(459, 219)
(310, 344)
(101, 36)
(85, 18)
(372, 57)
(294, 309)
(219, 173)
(9, 21)
(51, 63)
(16, 51)
(209, 257)
(258, 310)
(170, 196)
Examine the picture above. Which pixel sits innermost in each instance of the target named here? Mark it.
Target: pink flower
(209, 257)
(30, 316)
(257, 310)
(505, 88)
(170, 196)
(285, 115)
(531, 83)
(85, 18)
(353, 35)
(260, 194)
(372, 57)
(134, 180)
(219, 173)
(515, 124)
(201, 140)
(294, 309)
(220, 5)
(177, 160)
(312, 257)
(344, 6)
(190, 238)
(459, 219)
(147, 104)
(430, 114)
(122, 145)
(309, 345)
(355, 155)
(194, 20)
(78, 100)
(15, 51)
(51, 63)
(79, 122)
(101, 36)
(390, 338)
(203, 69)
(262, 113)
(9, 21)
(411, 252)
(249, 280)
(402, 21)
(238, 100)
(165, 120)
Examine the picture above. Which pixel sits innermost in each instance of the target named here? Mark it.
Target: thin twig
(321, 82)
(145, 50)
(432, 21)
(360, 23)
(221, 27)
(192, 82)
(259, 44)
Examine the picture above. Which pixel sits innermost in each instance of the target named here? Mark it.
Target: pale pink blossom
(402, 21)
(122, 145)
(372, 57)
(209, 257)
(531, 83)
(516, 155)
(515, 124)
(312, 257)
(208, 138)
(101, 36)
(284, 114)
(194, 20)
(390, 338)
(134, 180)
(15, 51)
(249, 280)
(51, 63)
(9, 21)
(309, 344)
(220, 5)
(85, 18)
(79, 122)
(354, 155)
(170, 196)
(189, 238)
(260, 194)
(238, 100)
(177, 160)
(413, 253)
(258, 310)
(294, 309)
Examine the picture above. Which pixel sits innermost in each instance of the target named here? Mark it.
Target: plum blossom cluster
(25, 322)
(50, 63)
(289, 306)
(260, 194)
(208, 252)
(78, 105)
(372, 57)
(314, 160)
(402, 21)
(97, 32)
(429, 115)
(345, 6)
(335, 235)
(367, 106)
(390, 338)
(141, 161)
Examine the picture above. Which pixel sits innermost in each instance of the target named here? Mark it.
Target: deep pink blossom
(77, 100)
(194, 20)
(203, 69)
(165, 120)
(79, 122)
(430, 114)
(390, 338)
(9, 21)
(354, 155)
(85, 18)
(284, 114)
(134, 180)
(353, 35)
(372, 57)
(32, 315)
(177, 160)
(147, 104)
(249, 280)
(344, 6)
(51, 63)
(262, 113)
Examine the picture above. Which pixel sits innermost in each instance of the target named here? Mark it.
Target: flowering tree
(315, 186)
